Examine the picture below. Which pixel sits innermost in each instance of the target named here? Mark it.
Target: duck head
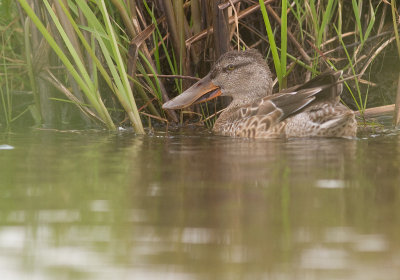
(243, 75)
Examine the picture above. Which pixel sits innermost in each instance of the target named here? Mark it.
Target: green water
(95, 205)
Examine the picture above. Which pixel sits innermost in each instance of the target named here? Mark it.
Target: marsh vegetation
(113, 63)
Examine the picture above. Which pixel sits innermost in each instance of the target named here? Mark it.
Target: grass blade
(125, 89)
(92, 96)
(272, 43)
(357, 13)
(283, 42)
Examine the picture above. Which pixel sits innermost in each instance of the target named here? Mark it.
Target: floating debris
(330, 184)
(6, 147)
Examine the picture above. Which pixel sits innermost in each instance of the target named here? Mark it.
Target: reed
(124, 91)
(396, 118)
(272, 43)
(81, 75)
(6, 96)
(158, 41)
(11, 66)
(109, 57)
(36, 111)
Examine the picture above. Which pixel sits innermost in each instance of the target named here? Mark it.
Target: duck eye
(230, 67)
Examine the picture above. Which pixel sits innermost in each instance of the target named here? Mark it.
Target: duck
(312, 109)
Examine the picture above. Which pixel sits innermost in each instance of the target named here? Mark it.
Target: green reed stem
(272, 43)
(5, 97)
(283, 43)
(124, 87)
(81, 77)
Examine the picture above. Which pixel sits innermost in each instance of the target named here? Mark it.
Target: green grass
(11, 67)
(80, 75)
(158, 40)
(73, 60)
(274, 50)
(6, 96)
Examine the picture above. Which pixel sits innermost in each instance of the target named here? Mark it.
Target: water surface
(98, 205)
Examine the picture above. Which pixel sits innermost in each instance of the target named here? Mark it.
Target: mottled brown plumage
(309, 110)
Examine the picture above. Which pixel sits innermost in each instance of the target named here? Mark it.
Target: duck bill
(200, 92)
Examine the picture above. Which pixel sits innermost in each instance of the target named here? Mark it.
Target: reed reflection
(261, 206)
(199, 206)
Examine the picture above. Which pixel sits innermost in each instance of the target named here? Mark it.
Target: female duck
(309, 110)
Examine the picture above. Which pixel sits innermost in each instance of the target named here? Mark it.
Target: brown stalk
(159, 44)
(154, 117)
(176, 27)
(317, 50)
(180, 22)
(125, 18)
(87, 35)
(396, 118)
(68, 27)
(183, 32)
(214, 115)
(134, 46)
(331, 40)
(376, 111)
(210, 30)
(196, 15)
(172, 26)
(147, 104)
(170, 76)
(49, 77)
(236, 23)
(352, 44)
(69, 30)
(395, 16)
(132, 60)
(383, 18)
(227, 4)
(41, 54)
(377, 51)
(221, 31)
(146, 52)
(196, 28)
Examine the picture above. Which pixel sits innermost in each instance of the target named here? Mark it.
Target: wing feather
(266, 117)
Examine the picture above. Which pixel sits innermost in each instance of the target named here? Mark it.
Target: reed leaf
(159, 39)
(326, 16)
(125, 91)
(395, 27)
(371, 22)
(35, 110)
(92, 96)
(283, 43)
(158, 89)
(6, 98)
(359, 103)
(271, 39)
(357, 14)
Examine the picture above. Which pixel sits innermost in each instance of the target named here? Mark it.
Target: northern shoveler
(312, 109)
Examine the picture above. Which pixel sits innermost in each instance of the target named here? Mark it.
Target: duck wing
(328, 81)
(280, 106)
(323, 88)
(267, 115)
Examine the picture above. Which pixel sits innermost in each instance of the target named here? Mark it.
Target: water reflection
(96, 205)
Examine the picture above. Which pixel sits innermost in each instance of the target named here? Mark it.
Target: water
(95, 205)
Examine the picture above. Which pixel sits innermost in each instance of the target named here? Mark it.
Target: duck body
(312, 109)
